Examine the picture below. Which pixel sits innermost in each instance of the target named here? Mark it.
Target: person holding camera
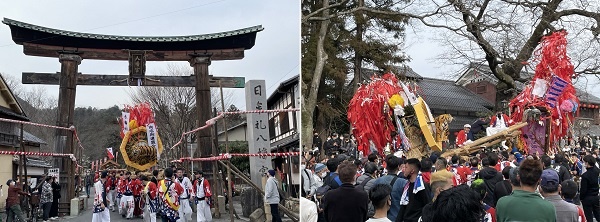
(12, 201)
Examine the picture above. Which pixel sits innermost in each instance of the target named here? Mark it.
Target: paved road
(86, 216)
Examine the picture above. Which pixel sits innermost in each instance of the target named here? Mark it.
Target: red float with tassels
(551, 89)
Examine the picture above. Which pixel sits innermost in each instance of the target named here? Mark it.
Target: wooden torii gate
(72, 47)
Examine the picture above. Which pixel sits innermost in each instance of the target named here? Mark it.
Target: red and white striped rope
(72, 128)
(229, 155)
(261, 111)
(212, 121)
(37, 124)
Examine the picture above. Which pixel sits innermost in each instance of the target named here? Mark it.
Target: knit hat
(272, 173)
(319, 167)
(8, 182)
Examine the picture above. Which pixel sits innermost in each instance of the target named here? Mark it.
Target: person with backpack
(397, 184)
(332, 179)
(366, 182)
(308, 180)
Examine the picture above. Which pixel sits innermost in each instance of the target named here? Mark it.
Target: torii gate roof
(43, 41)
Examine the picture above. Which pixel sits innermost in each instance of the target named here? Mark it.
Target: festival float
(545, 109)
(388, 115)
(141, 146)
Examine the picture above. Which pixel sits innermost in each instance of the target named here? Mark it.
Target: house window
(481, 89)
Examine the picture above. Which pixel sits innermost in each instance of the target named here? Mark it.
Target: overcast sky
(274, 58)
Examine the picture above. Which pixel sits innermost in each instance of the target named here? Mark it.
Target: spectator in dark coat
(56, 197)
(589, 189)
(346, 203)
(503, 188)
(490, 177)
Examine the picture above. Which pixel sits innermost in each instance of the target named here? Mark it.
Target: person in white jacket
(101, 213)
(308, 210)
(272, 195)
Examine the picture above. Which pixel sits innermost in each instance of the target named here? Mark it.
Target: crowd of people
(488, 186)
(164, 194)
(18, 204)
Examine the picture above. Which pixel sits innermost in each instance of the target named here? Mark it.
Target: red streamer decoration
(369, 120)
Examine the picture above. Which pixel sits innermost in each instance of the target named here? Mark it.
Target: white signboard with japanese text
(54, 172)
(258, 129)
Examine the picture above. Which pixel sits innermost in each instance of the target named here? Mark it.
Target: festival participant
(440, 181)
(88, 183)
(426, 167)
(127, 205)
(111, 183)
(589, 189)
(416, 194)
(397, 184)
(474, 171)
(185, 211)
(568, 191)
(514, 179)
(203, 195)
(119, 181)
(464, 136)
(168, 195)
(479, 187)
(367, 180)
(100, 214)
(138, 187)
(524, 204)
(380, 196)
(549, 188)
(456, 204)
(151, 201)
(347, 203)
(454, 169)
(503, 188)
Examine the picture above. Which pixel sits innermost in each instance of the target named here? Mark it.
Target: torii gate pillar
(66, 106)
(203, 107)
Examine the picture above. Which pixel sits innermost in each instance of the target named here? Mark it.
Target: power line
(125, 22)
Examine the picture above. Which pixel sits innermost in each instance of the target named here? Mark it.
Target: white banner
(125, 118)
(152, 140)
(54, 172)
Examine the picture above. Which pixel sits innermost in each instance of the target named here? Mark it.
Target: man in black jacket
(346, 203)
(333, 145)
(589, 189)
(490, 177)
(412, 210)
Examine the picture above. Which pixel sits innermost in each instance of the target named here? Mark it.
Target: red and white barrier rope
(230, 155)
(36, 124)
(212, 121)
(72, 128)
(39, 154)
(261, 111)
